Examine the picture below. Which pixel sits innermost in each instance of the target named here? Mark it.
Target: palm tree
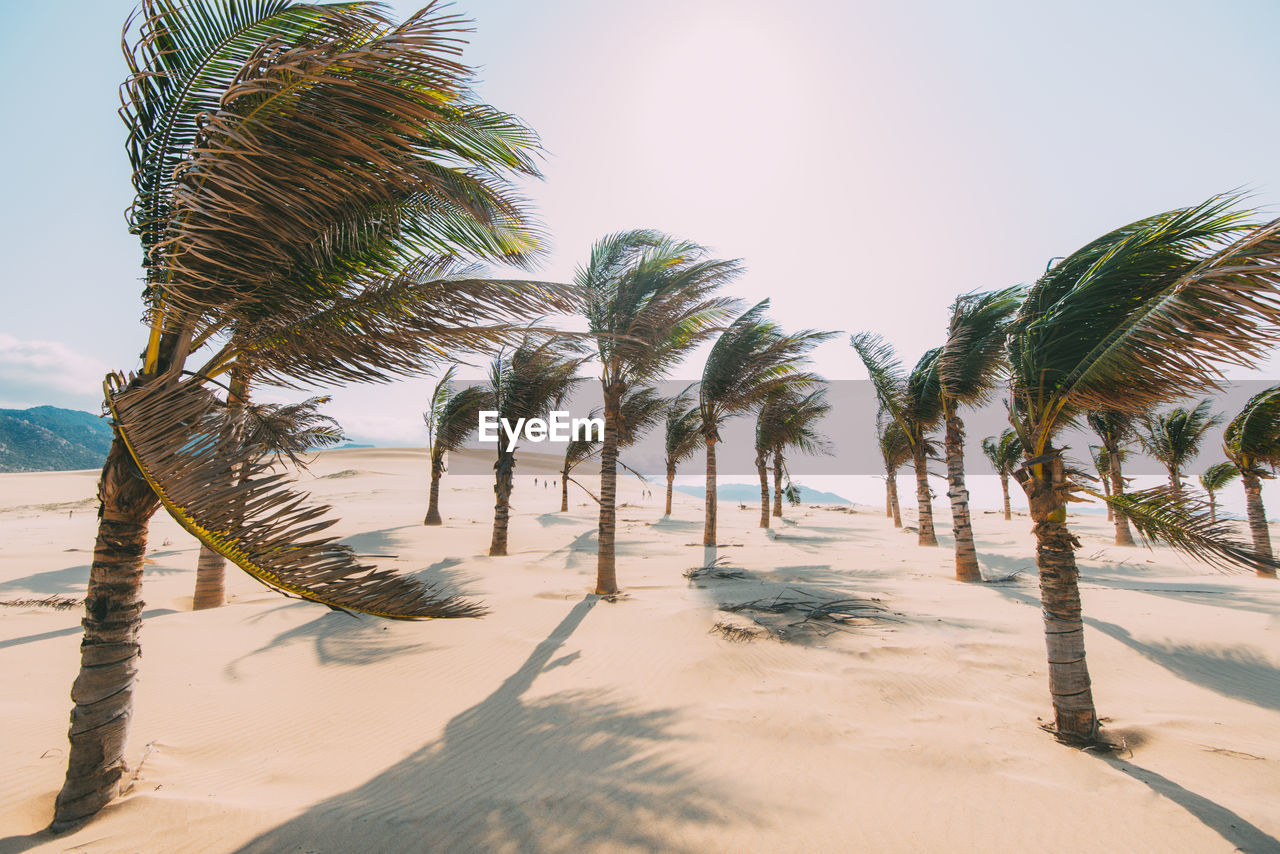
(682, 436)
(751, 359)
(1139, 317)
(1003, 452)
(970, 365)
(649, 302)
(1114, 428)
(913, 400)
(1215, 478)
(528, 382)
(1174, 437)
(640, 411)
(1252, 443)
(787, 419)
(895, 450)
(252, 214)
(451, 418)
(1102, 464)
(283, 431)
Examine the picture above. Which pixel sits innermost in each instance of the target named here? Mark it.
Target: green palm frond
(533, 379)
(456, 419)
(1218, 475)
(288, 430)
(187, 448)
(972, 360)
(432, 310)
(1003, 451)
(789, 419)
(1113, 427)
(345, 149)
(913, 399)
(1185, 523)
(683, 430)
(888, 377)
(650, 300)
(1252, 438)
(1145, 315)
(895, 446)
(1173, 438)
(752, 358)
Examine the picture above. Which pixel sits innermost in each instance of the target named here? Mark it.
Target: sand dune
(562, 723)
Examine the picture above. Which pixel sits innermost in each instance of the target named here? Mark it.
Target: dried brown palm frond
(290, 429)
(183, 442)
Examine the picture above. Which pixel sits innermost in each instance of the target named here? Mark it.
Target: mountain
(46, 438)
(747, 492)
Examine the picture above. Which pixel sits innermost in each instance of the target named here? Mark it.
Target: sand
(562, 723)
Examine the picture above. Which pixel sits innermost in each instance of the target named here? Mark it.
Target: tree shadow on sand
(337, 639)
(573, 772)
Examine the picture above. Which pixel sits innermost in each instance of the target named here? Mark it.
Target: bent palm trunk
(606, 567)
(1004, 488)
(564, 491)
(962, 526)
(763, 471)
(504, 482)
(892, 482)
(1075, 719)
(671, 485)
(1124, 537)
(924, 501)
(709, 518)
(103, 691)
(1258, 520)
(211, 580)
(433, 502)
(777, 482)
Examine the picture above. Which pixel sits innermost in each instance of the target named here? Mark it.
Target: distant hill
(751, 492)
(46, 438)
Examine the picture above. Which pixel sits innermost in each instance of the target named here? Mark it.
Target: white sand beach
(563, 723)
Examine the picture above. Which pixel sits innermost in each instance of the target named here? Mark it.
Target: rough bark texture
(924, 501)
(564, 490)
(503, 482)
(1213, 506)
(1258, 520)
(1124, 537)
(606, 569)
(709, 520)
(211, 580)
(433, 501)
(103, 691)
(1106, 490)
(1004, 487)
(671, 486)
(777, 482)
(962, 526)
(1075, 719)
(892, 481)
(762, 469)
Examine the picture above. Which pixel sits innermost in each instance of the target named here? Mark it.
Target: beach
(563, 722)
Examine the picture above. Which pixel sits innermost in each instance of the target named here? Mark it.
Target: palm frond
(457, 419)
(1173, 437)
(186, 448)
(1003, 451)
(288, 430)
(1184, 522)
(972, 359)
(1252, 438)
(1218, 475)
(682, 434)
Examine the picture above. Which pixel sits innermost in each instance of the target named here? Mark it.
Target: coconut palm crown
(682, 435)
(1174, 437)
(1142, 316)
(1252, 444)
(1003, 452)
(450, 419)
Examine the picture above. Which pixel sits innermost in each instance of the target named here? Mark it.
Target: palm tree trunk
(606, 570)
(763, 469)
(777, 482)
(1106, 490)
(892, 481)
(924, 501)
(671, 484)
(1258, 520)
(1004, 487)
(1124, 537)
(709, 520)
(433, 502)
(503, 482)
(1213, 507)
(961, 525)
(211, 580)
(103, 691)
(211, 567)
(564, 490)
(1175, 481)
(1075, 719)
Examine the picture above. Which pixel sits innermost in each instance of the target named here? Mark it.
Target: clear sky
(867, 160)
